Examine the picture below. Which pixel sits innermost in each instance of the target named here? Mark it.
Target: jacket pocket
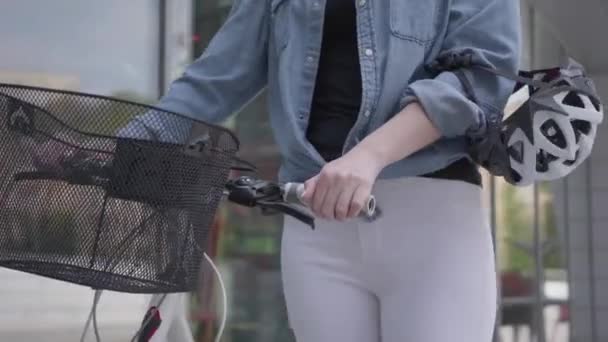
(279, 13)
(414, 20)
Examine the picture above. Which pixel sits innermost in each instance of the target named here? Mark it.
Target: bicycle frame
(173, 311)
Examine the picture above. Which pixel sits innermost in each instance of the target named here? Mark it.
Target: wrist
(372, 155)
(403, 135)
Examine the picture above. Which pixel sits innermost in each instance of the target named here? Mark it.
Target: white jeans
(424, 272)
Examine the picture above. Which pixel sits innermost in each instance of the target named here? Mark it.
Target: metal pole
(493, 211)
(538, 258)
(566, 209)
(162, 45)
(591, 252)
(498, 322)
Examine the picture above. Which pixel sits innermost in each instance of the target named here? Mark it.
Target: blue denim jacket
(275, 45)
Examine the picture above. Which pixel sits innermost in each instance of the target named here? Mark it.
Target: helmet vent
(551, 131)
(543, 159)
(571, 162)
(596, 103)
(516, 151)
(581, 126)
(572, 99)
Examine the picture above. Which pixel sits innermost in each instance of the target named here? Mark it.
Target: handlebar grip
(54, 176)
(293, 194)
(37, 175)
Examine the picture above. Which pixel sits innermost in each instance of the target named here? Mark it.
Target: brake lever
(291, 210)
(84, 169)
(251, 192)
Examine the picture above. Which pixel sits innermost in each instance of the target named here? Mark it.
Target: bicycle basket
(107, 193)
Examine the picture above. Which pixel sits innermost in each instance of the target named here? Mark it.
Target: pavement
(39, 309)
(116, 334)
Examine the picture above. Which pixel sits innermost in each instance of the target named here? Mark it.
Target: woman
(355, 111)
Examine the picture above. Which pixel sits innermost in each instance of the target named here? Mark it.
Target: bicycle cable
(224, 304)
(224, 299)
(92, 317)
(160, 302)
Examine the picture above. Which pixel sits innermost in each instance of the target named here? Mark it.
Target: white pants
(424, 272)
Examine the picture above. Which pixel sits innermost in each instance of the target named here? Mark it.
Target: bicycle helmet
(551, 124)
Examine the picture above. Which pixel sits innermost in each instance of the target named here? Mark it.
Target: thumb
(309, 189)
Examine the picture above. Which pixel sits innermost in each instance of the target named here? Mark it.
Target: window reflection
(555, 266)
(515, 247)
(518, 212)
(94, 46)
(103, 47)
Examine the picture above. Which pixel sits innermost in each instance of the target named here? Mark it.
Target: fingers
(48, 155)
(321, 189)
(309, 190)
(334, 191)
(359, 201)
(339, 187)
(338, 192)
(344, 203)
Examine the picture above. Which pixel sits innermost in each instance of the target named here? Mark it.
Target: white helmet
(554, 114)
(551, 124)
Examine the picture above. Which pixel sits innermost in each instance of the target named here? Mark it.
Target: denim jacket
(275, 45)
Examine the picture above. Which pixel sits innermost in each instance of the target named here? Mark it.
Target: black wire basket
(107, 193)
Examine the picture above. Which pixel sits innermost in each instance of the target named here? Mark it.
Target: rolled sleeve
(490, 32)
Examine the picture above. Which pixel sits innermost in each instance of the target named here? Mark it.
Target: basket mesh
(132, 214)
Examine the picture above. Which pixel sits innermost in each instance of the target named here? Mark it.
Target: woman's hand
(343, 186)
(48, 155)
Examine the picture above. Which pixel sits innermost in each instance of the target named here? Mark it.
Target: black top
(337, 95)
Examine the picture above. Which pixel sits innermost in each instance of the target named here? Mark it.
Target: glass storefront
(532, 239)
(103, 47)
(532, 269)
(249, 242)
(106, 47)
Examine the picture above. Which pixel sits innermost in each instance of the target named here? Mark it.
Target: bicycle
(140, 209)
(251, 192)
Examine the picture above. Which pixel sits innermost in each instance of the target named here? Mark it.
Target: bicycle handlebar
(253, 192)
(80, 179)
(37, 175)
(245, 190)
(293, 192)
